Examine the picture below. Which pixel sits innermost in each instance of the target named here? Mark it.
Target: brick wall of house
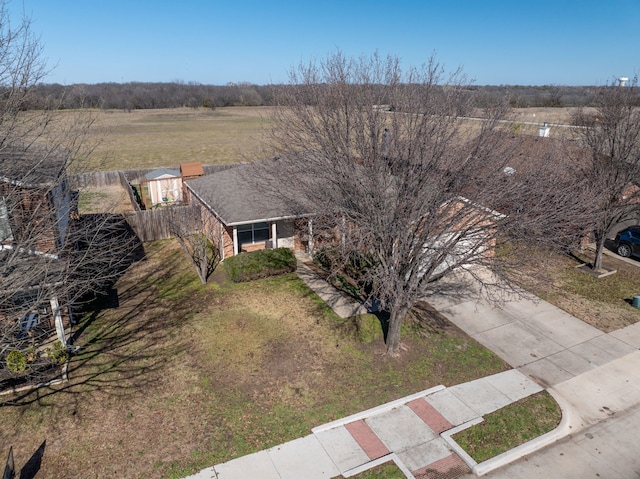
(216, 231)
(254, 247)
(31, 217)
(227, 239)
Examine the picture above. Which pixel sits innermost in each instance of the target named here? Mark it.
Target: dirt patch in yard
(104, 199)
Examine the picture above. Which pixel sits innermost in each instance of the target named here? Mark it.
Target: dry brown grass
(561, 116)
(112, 198)
(168, 137)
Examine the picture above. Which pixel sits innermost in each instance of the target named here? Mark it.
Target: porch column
(57, 317)
(310, 238)
(235, 240)
(274, 235)
(221, 243)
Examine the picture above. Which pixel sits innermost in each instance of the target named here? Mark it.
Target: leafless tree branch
(401, 187)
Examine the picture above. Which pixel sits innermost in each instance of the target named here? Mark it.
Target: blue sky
(562, 42)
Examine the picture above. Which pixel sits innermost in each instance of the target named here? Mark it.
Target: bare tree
(50, 256)
(611, 136)
(190, 228)
(400, 187)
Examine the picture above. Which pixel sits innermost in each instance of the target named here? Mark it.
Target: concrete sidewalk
(341, 305)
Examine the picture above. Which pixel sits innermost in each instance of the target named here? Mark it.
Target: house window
(253, 233)
(5, 227)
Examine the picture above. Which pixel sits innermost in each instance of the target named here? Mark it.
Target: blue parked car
(628, 242)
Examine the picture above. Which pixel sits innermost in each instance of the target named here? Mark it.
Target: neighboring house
(36, 207)
(239, 218)
(35, 200)
(164, 186)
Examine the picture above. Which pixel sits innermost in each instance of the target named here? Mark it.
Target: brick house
(240, 218)
(36, 211)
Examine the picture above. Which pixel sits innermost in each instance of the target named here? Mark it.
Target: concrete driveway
(593, 375)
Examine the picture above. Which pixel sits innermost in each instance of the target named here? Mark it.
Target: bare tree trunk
(611, 136)
(600, 240)
(190, 229)
(393, 333)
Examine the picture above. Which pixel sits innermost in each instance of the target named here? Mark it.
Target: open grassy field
(181, 376)
(149, 138)
(168, 137)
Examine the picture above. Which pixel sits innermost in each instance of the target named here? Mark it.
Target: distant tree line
(536, 96)
(139, 95)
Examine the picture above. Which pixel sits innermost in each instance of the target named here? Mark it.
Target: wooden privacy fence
(129, 189)
(94, 179)
(161, 223)
(107, 178)
(149, 225)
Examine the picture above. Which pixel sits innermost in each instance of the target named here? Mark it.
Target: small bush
(16, 361)
(58, 353)
(260, 264)
(516, 128)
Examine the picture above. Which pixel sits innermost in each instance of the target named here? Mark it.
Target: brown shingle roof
(232, 195)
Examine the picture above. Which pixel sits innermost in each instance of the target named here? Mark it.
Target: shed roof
(191, 168)
(162, 173)
(232, 195)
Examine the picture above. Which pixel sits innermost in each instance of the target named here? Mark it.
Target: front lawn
(182, 376)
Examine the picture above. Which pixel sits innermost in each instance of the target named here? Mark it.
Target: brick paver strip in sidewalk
(448, 467)
(367, 439)
(429, 415)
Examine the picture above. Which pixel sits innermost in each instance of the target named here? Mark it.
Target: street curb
(563, 430)
(446, 435)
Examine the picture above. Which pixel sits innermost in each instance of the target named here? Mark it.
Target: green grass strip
(510, 427)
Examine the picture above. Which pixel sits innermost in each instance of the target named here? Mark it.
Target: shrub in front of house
(16, 361)
(58, 353)
(260, 264)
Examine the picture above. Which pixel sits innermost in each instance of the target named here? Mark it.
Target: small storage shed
(164, 185)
